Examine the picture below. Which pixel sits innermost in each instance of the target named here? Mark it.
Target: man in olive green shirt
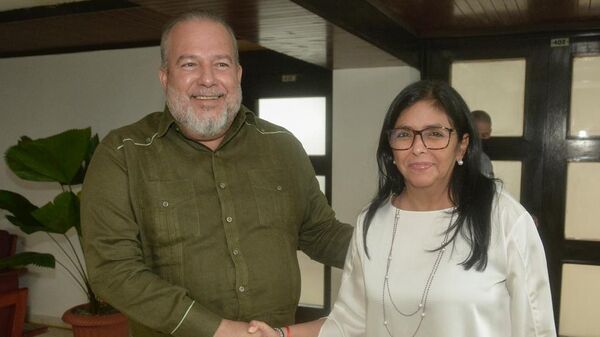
(191, 217)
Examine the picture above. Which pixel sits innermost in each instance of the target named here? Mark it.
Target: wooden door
(544, 92)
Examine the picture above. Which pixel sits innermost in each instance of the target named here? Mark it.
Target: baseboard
(49, 321)
(34, 329)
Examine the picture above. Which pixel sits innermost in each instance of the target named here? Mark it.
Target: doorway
(543, 94)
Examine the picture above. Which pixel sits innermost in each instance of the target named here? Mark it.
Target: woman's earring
(459, 162)
(393, 161)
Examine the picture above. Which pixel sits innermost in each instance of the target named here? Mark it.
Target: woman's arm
(527, 282)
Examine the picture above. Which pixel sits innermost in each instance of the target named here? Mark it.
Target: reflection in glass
(581, 210)
(302, 116)
(584, 120)
(579, 298)
(503, 97)
(510, 174)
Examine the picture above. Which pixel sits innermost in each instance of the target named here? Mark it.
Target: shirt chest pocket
(170, 213)
(274, 196)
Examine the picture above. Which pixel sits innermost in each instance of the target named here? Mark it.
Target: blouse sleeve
(347, 318)
(527, 281)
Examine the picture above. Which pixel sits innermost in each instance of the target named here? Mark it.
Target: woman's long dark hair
(469, 190)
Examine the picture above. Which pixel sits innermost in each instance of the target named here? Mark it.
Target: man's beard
(197, 126)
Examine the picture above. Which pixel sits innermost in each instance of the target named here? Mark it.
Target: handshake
(229, 328)
(258, 328)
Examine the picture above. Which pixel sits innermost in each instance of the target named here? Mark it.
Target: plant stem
(80, 272)
(73, 276)
(82, 269)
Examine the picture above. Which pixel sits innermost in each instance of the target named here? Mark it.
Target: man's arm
(115, 263)
(321, 236)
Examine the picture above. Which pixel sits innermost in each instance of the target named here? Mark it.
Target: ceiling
(330, 33)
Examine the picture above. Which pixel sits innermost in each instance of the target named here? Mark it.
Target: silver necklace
(422, 306)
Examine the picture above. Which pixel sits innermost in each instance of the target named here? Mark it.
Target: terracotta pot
(113, 325)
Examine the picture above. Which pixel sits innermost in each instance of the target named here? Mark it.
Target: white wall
(361, 98)
(43, 95)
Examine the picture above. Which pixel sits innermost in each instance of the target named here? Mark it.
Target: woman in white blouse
(441, 250)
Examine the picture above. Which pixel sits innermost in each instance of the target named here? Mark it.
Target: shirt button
(222, 185)
(229, 219)
(242, 289)
(236, 252)
(165, 204)
(279, 188)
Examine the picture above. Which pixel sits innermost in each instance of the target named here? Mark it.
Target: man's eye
(188, 65)
(222, 65)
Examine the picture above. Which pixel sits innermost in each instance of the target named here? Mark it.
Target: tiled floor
(56, 332)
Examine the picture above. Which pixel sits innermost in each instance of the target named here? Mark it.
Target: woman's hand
(262, 327)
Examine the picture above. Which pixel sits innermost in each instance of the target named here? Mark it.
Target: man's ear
(239, 74)
(163, 75)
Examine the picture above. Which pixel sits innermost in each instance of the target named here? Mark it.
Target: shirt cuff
(197, 321)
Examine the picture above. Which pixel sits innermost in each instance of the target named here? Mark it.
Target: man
(483, 124)
(191, 217)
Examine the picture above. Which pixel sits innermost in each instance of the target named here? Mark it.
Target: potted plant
(11, 267)
(63, 159)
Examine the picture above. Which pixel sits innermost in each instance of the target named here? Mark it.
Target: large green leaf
(20, 209)
(60, 215)
(27, 258)
(57, 158)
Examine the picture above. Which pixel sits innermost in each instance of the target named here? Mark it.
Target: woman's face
(421, 167)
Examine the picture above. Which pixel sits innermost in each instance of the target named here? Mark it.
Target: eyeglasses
(434, 138)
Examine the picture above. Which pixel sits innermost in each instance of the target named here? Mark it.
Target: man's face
(202, 79)
(484, 129)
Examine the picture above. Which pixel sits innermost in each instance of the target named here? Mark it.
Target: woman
(441, 250)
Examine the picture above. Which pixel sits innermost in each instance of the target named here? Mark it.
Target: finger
(254, 326)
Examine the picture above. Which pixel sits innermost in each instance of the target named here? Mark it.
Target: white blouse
(511, 298)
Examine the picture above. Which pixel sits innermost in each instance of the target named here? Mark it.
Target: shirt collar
(165, 122)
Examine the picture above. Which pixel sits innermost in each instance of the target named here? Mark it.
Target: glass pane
(584, 118)
(321, 180)
(501, 98)
(313, 287)
(510, 173)
(580, 301)
(304, 117)
(581, 211)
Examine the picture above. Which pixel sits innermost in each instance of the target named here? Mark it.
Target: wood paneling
(331, 34)
(78, 26)
(446, 18)
(279, 25)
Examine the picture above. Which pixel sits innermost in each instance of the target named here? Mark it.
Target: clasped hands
(229, 328)
(262, 329)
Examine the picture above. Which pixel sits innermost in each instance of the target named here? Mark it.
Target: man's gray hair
(194, 16)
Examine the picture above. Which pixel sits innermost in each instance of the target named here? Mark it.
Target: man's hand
(229, 328)
(258, 328)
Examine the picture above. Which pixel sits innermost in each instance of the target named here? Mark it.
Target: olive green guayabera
(178, 236)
